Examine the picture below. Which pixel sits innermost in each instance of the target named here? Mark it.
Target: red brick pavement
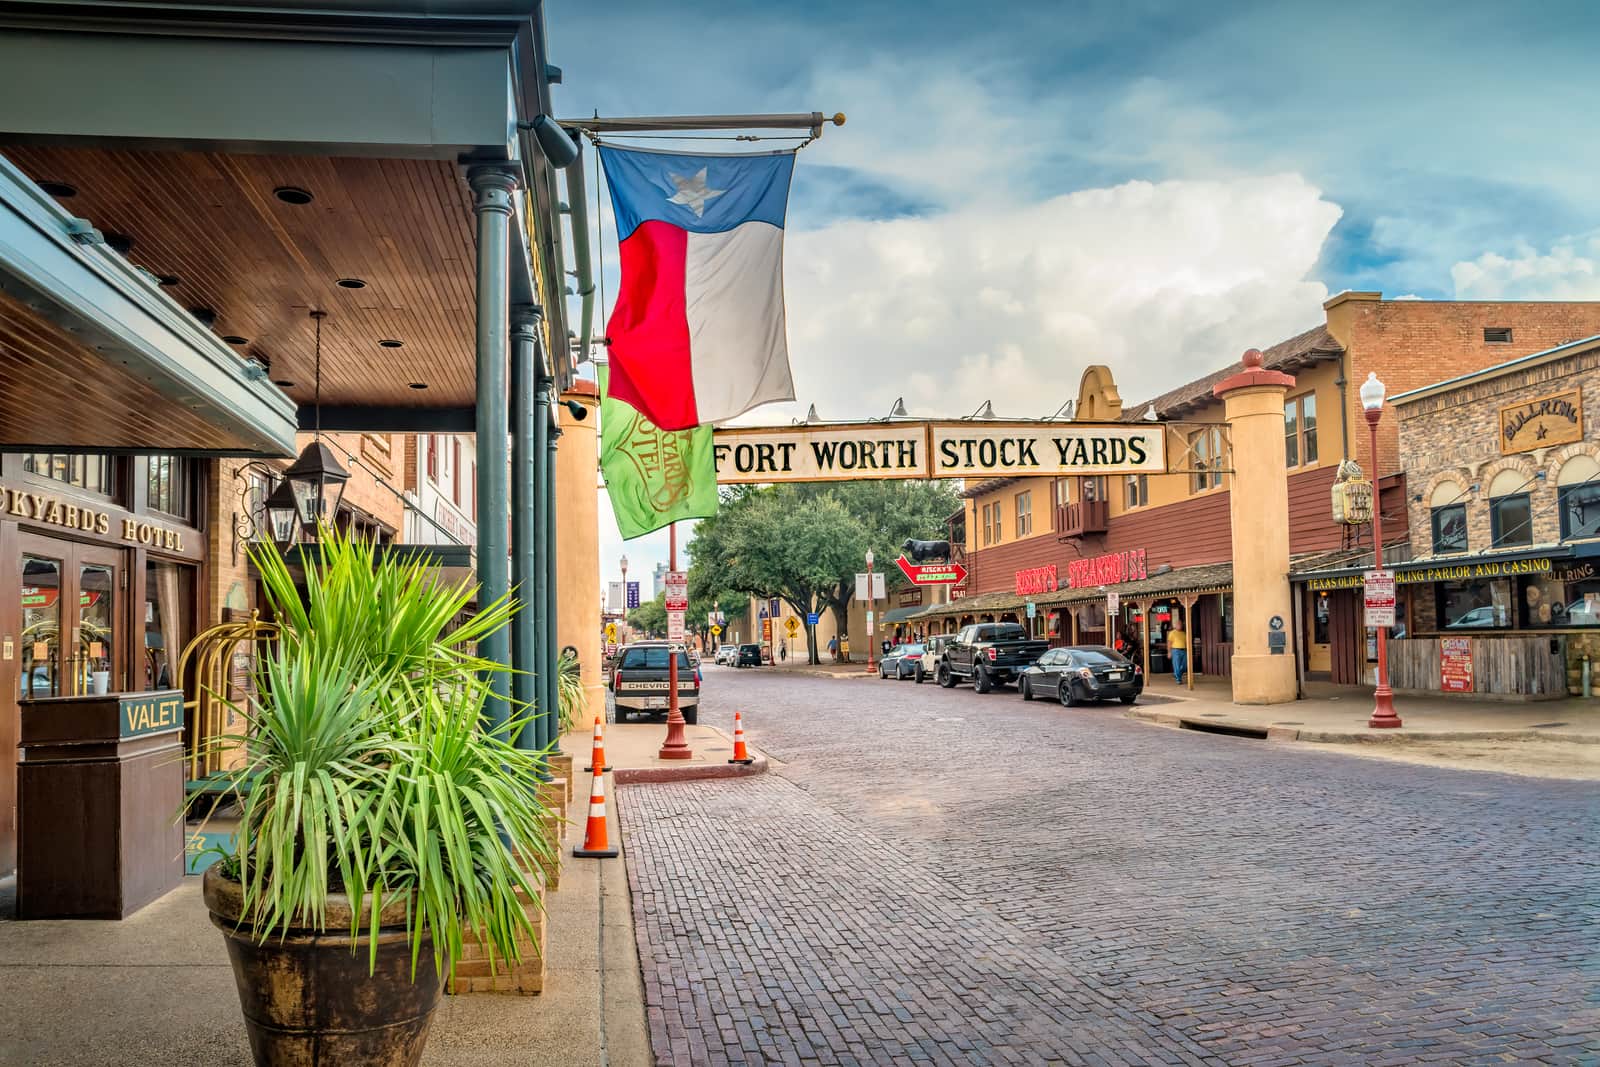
(946, 878)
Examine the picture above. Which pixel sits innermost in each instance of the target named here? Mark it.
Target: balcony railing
(1084, 517)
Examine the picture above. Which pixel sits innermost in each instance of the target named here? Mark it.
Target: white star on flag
(692, 192)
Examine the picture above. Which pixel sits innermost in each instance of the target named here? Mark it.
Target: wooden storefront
(101, 582)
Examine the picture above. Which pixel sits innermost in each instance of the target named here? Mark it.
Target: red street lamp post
(676, 745)
(1383, 714)
(870, 603)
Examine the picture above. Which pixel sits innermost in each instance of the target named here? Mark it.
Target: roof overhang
(94, 356)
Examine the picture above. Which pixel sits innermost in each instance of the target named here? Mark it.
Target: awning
(902, 614)
(99, 358)
(1534, 559)
(985, 603)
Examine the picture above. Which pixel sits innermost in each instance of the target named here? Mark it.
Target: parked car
(639, 682)
(1080, 673)
(902, 660)
(990, 653)
(748, 656)
(932, 651)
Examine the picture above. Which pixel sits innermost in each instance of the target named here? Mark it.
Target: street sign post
(1379, 598)
(1113, 603)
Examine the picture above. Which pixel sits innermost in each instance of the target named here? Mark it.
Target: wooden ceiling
(55, 390)
(404, 227)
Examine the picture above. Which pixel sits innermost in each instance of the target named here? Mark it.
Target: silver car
(932, 650)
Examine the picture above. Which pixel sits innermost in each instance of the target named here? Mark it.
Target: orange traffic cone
(740, 754)
(597, 759)
(596, 845)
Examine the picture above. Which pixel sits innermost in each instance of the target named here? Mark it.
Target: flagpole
(676, 746)
(810, 120)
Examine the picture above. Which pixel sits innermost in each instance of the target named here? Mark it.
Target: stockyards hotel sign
(1548, 420)
(937, 450)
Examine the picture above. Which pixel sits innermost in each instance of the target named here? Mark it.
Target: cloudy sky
(1023, 189)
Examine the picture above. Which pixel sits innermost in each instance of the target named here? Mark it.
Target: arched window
(1578, 497)
(1510, 514)
(1448, 508)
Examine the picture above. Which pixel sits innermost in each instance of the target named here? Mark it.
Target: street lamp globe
(869, 557)
(1372, 392)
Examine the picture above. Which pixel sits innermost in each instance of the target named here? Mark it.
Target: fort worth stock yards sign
(956, 449)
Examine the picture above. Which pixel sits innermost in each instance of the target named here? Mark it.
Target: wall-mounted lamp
(577, 410)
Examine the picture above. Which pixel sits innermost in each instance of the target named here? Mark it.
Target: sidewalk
(820, 670)
(631, 751)
(1555, 738)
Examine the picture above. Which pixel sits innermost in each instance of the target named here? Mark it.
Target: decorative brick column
(1259, 511)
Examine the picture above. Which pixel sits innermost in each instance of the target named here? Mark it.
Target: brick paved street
(938, 877)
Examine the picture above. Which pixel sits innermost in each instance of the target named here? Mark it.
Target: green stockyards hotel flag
(654, 476)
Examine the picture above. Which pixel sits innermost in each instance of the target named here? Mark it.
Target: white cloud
(1164, 281)
(1570, 270)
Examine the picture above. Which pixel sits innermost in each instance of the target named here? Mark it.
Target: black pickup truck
(990, 653)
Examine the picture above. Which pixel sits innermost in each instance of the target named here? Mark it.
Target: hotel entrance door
(68, 642)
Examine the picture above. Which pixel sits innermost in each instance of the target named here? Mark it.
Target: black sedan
(1082, 673)
(901, 661)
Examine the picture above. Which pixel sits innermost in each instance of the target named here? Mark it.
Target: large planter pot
(308, 999)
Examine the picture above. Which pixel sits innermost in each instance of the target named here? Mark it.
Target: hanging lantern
(282, 513)
(317, 480)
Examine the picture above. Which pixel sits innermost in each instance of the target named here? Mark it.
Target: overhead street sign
(932, 573)
(957, 448)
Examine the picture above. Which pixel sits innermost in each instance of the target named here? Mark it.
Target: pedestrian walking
(833, 649)
(1178, 649)
(783, 652)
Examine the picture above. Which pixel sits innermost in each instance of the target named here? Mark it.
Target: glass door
(43, 575)
(94, 651)
(69, 640)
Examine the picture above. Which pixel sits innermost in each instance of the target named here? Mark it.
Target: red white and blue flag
(697, 335)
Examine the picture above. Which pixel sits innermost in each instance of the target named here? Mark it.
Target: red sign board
(932, 573)
(1108, 569)
(1379, 598)
(766, 629)
(1455, 664)
(1037, 580)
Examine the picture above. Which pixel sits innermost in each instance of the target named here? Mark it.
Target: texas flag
(697, 334)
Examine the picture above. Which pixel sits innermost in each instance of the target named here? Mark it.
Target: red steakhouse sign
(1037, 580)
(1107, 570)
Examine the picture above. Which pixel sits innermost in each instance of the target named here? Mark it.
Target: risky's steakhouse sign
(955, 449)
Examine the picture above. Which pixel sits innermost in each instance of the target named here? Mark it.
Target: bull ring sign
(951, 449)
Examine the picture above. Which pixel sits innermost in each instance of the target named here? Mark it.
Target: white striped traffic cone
(740, 754)
(596, 843)
(597, 758)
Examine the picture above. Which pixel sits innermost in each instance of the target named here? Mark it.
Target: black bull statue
(926, 551)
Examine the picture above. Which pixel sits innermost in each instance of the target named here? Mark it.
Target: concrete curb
(1371, 737)
(693, 772)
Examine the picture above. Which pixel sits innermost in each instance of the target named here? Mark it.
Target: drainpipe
(525, 561)
(1344, 418)
(578, 200)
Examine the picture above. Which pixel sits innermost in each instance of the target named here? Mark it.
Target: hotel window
(1448, 509)
(1093, 488)
(991, 523)
(1206, 447)
(169, 486)
(1024, 514)
(92, 473)
(1060, 488)
(1300, 430)
(1136, 490)
(433, 457)
(1578, 498)
(1510, 514)
(455, 471)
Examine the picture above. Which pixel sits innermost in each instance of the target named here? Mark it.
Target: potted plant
(381, 822)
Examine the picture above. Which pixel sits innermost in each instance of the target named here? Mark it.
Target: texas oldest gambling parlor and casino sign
(956, 449)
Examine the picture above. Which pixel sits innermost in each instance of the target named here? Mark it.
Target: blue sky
(1024, 189)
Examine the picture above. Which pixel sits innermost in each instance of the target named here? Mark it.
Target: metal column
(552, 638)
(524, 524)
(538, 598)
(492, 189)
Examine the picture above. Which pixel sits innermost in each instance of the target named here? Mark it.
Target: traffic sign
(716, 631)
(674, 626)
(677, 591)
(1113, 602)
(932, 573)
(792, 625)
(870, 630)
(813, 617)
(1033, 609)
(1379, 597)
(611, 632)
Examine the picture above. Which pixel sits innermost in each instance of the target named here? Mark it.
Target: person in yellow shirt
(1178, 649)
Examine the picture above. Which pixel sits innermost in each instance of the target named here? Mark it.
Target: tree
(805, 543)
(650, 618)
